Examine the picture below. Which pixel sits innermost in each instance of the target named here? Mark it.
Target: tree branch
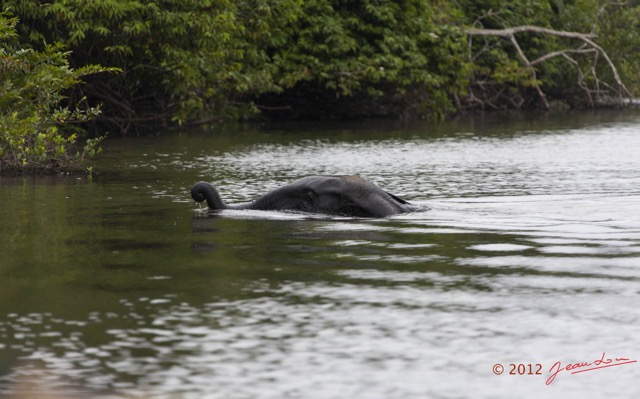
(507, 32)
(532, 70)
(588, 46)
(564, 52)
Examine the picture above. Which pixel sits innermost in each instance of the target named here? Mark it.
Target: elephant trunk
(202, 191)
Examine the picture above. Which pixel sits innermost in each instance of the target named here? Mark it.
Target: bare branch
(588, 47)
(507, 32)
(532, 70)
(564, 52)
(616, 76)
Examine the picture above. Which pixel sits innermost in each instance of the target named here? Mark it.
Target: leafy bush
(181, 59)
(35, 131)
(372, 57)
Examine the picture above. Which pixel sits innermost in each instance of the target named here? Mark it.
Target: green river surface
(120, 286)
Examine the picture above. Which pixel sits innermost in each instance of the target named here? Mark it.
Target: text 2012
(525, 369)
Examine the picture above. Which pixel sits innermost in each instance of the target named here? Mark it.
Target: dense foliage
(187, 60)
(180, 59)
(190, 61)
(368, 57)
(35, 130)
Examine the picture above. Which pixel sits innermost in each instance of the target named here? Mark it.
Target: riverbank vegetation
(203, 61)
(38, 132)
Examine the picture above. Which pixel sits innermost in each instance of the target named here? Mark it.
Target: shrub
(372, 58)
(36, 133)
(182, 60)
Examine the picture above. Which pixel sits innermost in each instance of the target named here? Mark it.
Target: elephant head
(334, 195)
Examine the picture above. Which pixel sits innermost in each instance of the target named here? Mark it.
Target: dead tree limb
(507, 32)
(588, 47)
(563, 53)
(532, 70)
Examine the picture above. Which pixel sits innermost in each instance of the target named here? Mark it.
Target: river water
(119, 285)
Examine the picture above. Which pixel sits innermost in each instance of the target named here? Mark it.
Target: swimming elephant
(334, 195)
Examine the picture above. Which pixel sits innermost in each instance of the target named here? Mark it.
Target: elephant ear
(400, 200)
